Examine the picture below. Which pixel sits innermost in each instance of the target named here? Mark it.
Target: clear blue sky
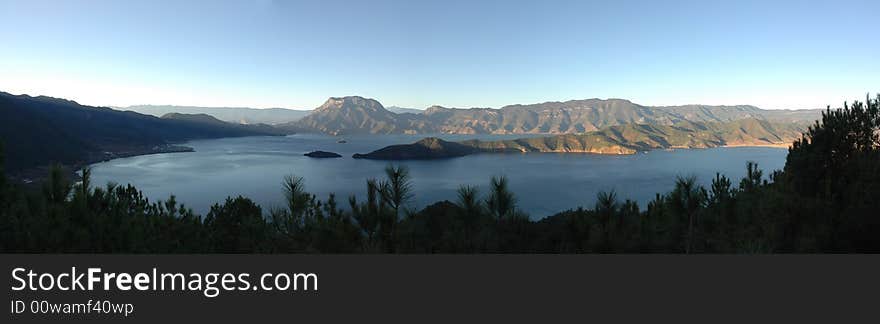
(295, 54)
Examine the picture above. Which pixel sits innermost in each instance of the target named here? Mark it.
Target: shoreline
(159, 149)
(438, 149)
(36, 175)
(773, 145)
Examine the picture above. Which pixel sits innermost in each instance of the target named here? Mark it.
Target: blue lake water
(545, 183)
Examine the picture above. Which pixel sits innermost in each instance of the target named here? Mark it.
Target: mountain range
(39, 130)
(358, 115)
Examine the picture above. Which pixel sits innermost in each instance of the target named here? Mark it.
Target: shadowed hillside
(38, 131)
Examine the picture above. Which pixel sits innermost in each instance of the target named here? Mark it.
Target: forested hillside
(38, 131)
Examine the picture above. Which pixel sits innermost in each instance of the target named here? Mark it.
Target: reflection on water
(545, 183)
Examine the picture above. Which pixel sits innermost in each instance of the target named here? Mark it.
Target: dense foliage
(825, 200)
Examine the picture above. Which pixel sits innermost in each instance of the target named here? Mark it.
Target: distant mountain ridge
(210, 120)
(357, 115)
(237, 115)
(401, 110)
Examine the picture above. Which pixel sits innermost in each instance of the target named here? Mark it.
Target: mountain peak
(351, 102)
(435, 109)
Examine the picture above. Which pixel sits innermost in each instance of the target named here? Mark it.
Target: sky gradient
(295, 54)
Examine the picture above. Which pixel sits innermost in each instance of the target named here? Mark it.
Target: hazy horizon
(296, 54)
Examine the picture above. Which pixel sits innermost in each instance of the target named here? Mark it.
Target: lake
(544, 183)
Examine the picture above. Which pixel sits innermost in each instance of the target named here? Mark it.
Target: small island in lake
(424, 149)
(322, 154)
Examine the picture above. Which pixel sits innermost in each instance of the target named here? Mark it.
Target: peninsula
(623, 139)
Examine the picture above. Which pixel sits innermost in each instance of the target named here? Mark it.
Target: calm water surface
(545, 183)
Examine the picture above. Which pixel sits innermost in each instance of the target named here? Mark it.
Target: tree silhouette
(501, 202)
(833, 166)
(236, 226)
(57, 187)
(296, 196)
(686, 200)
(471, 209)
(397, 189)
(607, 210)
